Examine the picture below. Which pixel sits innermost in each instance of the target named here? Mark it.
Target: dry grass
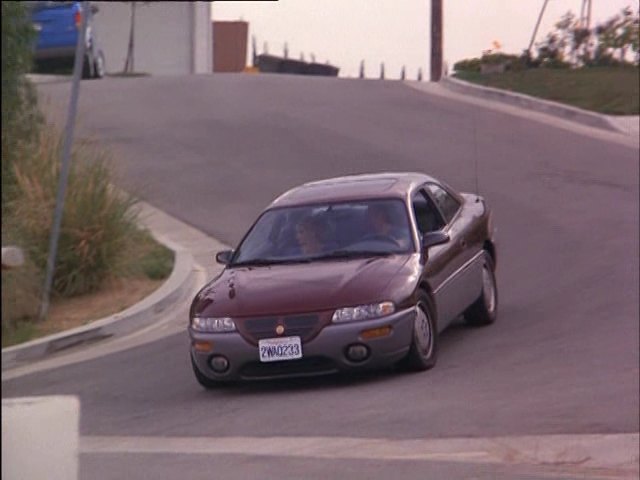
(96, 222)
(104, 263)
(66, 313)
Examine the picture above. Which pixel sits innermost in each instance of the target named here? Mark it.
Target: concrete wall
(203, 42)
(171, 38)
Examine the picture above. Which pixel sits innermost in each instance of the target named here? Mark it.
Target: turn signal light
(78, 19)
(375, 332)
(200, 346)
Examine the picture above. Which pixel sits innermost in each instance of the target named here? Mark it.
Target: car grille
(290, 368)
(303, 326)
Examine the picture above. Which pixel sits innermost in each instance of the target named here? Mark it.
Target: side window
(448, 205)
(427, 216)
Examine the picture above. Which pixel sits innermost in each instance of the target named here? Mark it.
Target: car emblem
(280, 329)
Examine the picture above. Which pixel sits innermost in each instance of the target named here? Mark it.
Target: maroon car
(346, 274)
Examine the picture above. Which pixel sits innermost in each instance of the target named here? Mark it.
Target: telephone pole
(436, 40)
(535, 30)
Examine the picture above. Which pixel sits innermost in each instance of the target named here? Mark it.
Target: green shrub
(511, 62)
(467, 65)
(20, 116)
(96, 222)
(158, 263)
(148, 257)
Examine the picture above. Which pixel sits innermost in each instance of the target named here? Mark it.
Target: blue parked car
(58, 25)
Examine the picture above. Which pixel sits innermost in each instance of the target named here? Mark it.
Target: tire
(423, 353)
(99, 65)
(485, 309)
(204, 381)
(87, 67)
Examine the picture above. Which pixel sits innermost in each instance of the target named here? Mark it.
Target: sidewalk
(629, 124)
(623, 132)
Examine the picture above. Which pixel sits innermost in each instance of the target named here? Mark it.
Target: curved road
(213, 150)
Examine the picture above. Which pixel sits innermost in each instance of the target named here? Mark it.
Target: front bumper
(324, 354)
(67, 53)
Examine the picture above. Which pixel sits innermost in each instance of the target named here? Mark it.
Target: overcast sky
(396, 32)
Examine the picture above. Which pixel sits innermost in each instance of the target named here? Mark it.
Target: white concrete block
(40, 438)
(12, 257)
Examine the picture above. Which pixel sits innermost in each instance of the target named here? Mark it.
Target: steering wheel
(378, 237)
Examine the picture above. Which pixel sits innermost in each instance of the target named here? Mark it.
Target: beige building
(171, 38)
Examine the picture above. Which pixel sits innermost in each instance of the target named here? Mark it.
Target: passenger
(310, 234)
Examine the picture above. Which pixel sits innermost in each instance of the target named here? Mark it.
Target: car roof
(353, 187)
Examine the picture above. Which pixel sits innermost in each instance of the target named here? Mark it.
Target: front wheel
(99, 65)
(485, 309)
(423, 353)
(87, 66)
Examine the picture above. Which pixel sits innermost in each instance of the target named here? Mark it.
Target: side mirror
(224, 257)
(432, 239)
(94, 9)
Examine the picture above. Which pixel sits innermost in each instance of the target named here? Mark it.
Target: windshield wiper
(253, 262)
(353, 254)
(261, 262)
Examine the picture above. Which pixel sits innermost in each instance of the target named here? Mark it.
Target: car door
(443, 260)
(464, 285)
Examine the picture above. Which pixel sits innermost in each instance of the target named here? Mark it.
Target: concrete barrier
(12, 257)
(40, 438)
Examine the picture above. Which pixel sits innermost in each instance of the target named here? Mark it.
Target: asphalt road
(213, 151)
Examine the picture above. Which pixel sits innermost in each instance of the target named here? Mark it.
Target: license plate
(275, 349)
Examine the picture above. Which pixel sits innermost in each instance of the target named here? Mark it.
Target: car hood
(296, 288)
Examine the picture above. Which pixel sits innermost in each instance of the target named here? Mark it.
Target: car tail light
(78, 19)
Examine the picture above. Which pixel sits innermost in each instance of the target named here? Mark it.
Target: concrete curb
(544, 106)
(133, 318)
(47, 78)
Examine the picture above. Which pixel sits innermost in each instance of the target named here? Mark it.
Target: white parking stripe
(619, 451)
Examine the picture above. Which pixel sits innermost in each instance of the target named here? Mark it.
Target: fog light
(219, 364)
(357, 352)
(375, 332)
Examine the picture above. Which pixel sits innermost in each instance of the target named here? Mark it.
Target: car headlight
(214, 325)
(363, 312)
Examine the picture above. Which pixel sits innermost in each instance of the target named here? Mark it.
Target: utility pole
(436, 40)
(66, 161)
(535, 30)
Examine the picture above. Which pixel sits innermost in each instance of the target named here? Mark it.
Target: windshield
(326, 231)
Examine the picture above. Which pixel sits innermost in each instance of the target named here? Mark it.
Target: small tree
(129, 61)
(561, 46)
(617, 36)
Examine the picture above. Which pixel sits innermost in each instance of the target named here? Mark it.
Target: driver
(310, 234)
(380, 220)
